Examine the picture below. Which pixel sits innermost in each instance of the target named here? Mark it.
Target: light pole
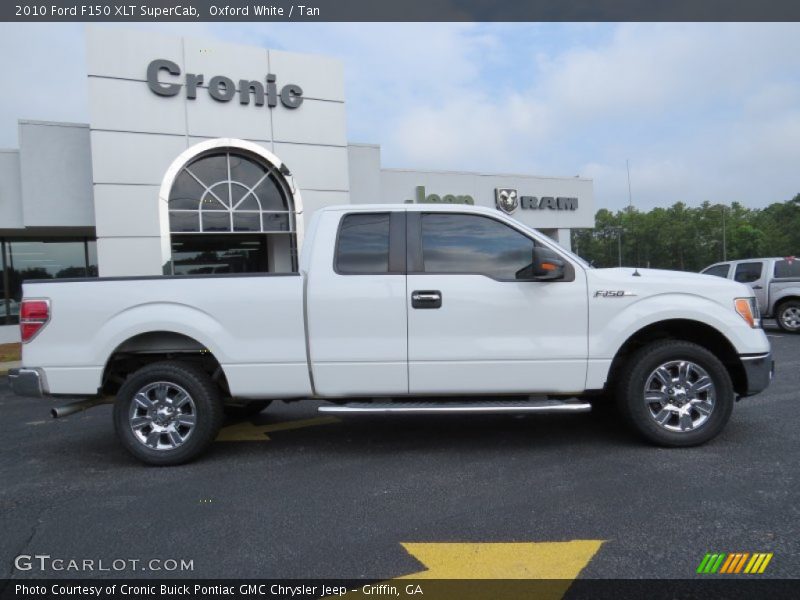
(618, 231)
(724, 235)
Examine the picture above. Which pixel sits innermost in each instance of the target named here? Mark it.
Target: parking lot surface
(292, 495)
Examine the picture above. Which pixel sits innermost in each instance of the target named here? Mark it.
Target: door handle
(426, 299)
(757, 287)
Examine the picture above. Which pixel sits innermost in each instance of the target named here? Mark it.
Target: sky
(702, 112)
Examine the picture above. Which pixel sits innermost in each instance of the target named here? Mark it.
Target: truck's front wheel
(167, 413)
(676, 393)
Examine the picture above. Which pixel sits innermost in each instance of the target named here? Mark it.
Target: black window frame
(397, 243)
(416, 264)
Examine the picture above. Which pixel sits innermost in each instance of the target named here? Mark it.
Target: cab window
(718, 270)
(748, 272)
(363, 244)
(457, 243)
(788, 267)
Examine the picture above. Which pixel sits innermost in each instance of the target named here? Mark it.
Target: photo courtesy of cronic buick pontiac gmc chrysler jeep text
(392, 303)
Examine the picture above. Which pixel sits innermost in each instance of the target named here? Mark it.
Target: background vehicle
(393, 303)
(775, 281)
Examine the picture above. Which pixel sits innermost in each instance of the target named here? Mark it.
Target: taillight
(33, 316)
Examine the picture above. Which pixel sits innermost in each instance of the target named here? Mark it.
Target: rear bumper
(26, 382)
(759, 371)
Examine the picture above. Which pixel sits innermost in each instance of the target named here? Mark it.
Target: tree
(691, 238)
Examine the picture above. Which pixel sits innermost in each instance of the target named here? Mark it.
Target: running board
(440, 408)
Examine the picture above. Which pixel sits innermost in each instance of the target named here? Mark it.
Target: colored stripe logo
(734, 563)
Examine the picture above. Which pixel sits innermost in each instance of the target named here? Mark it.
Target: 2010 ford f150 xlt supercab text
(392, 303)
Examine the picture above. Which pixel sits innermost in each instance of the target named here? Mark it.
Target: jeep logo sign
(221, 88)
(506, 200)
(421, 197)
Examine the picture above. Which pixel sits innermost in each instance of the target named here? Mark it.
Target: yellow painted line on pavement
(558, 563)
(249, 432)
(515, 560)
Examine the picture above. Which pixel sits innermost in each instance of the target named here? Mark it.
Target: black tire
(245, 411)
(631, 393)
(781, 316)
(206, 406)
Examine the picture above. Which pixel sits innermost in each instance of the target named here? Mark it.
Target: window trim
(396, 263)
(416, 263)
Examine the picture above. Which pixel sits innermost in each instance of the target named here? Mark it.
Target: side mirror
(546, 266)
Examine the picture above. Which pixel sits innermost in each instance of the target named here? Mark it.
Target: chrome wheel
(162, 415)
(680, 395)
(790, 318)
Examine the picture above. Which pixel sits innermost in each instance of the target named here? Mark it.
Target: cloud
(44, 73)
(703, 111)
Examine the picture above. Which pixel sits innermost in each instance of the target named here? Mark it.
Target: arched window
(231, 207)
(229, 191)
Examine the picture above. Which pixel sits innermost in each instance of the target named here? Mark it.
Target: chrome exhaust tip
(59, 412)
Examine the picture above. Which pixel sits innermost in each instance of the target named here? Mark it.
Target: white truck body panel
(498, 336)
(357, 324)
(231, 316)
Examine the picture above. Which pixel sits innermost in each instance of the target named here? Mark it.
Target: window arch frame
(274, 166)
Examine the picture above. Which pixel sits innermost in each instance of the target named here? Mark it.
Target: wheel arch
(688, 330)
(792, 296)
(153, 346)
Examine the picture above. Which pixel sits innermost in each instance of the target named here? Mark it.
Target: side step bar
(461, 407)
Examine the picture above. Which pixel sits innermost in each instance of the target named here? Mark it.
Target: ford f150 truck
(407, 309)
(775, 282)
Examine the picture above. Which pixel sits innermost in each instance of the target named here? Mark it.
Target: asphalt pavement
(339, 498)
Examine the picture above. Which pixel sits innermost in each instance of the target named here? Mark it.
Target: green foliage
(690, 238)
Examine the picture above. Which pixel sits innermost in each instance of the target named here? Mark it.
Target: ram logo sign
(507, 200)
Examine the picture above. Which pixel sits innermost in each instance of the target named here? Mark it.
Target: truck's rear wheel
(788, 316)
(167, 413)
(676, 393)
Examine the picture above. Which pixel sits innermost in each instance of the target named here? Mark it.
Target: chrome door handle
(426, 299)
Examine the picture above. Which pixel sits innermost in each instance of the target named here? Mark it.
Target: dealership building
(207, 157)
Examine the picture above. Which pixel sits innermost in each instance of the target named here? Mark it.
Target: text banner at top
(400, 10)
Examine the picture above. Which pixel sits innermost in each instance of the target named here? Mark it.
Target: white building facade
(207, 157)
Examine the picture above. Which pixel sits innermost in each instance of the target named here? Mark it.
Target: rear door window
(363, 244)
(748, 272)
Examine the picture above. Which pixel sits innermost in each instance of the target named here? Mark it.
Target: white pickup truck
(407, 309)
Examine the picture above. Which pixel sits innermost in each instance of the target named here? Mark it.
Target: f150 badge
(612, 293)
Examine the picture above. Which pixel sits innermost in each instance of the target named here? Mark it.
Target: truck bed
(252, 324)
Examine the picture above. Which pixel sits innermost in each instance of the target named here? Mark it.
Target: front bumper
(26, 382)
(759, 371)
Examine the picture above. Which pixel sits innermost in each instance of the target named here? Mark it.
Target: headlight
(748, 310)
